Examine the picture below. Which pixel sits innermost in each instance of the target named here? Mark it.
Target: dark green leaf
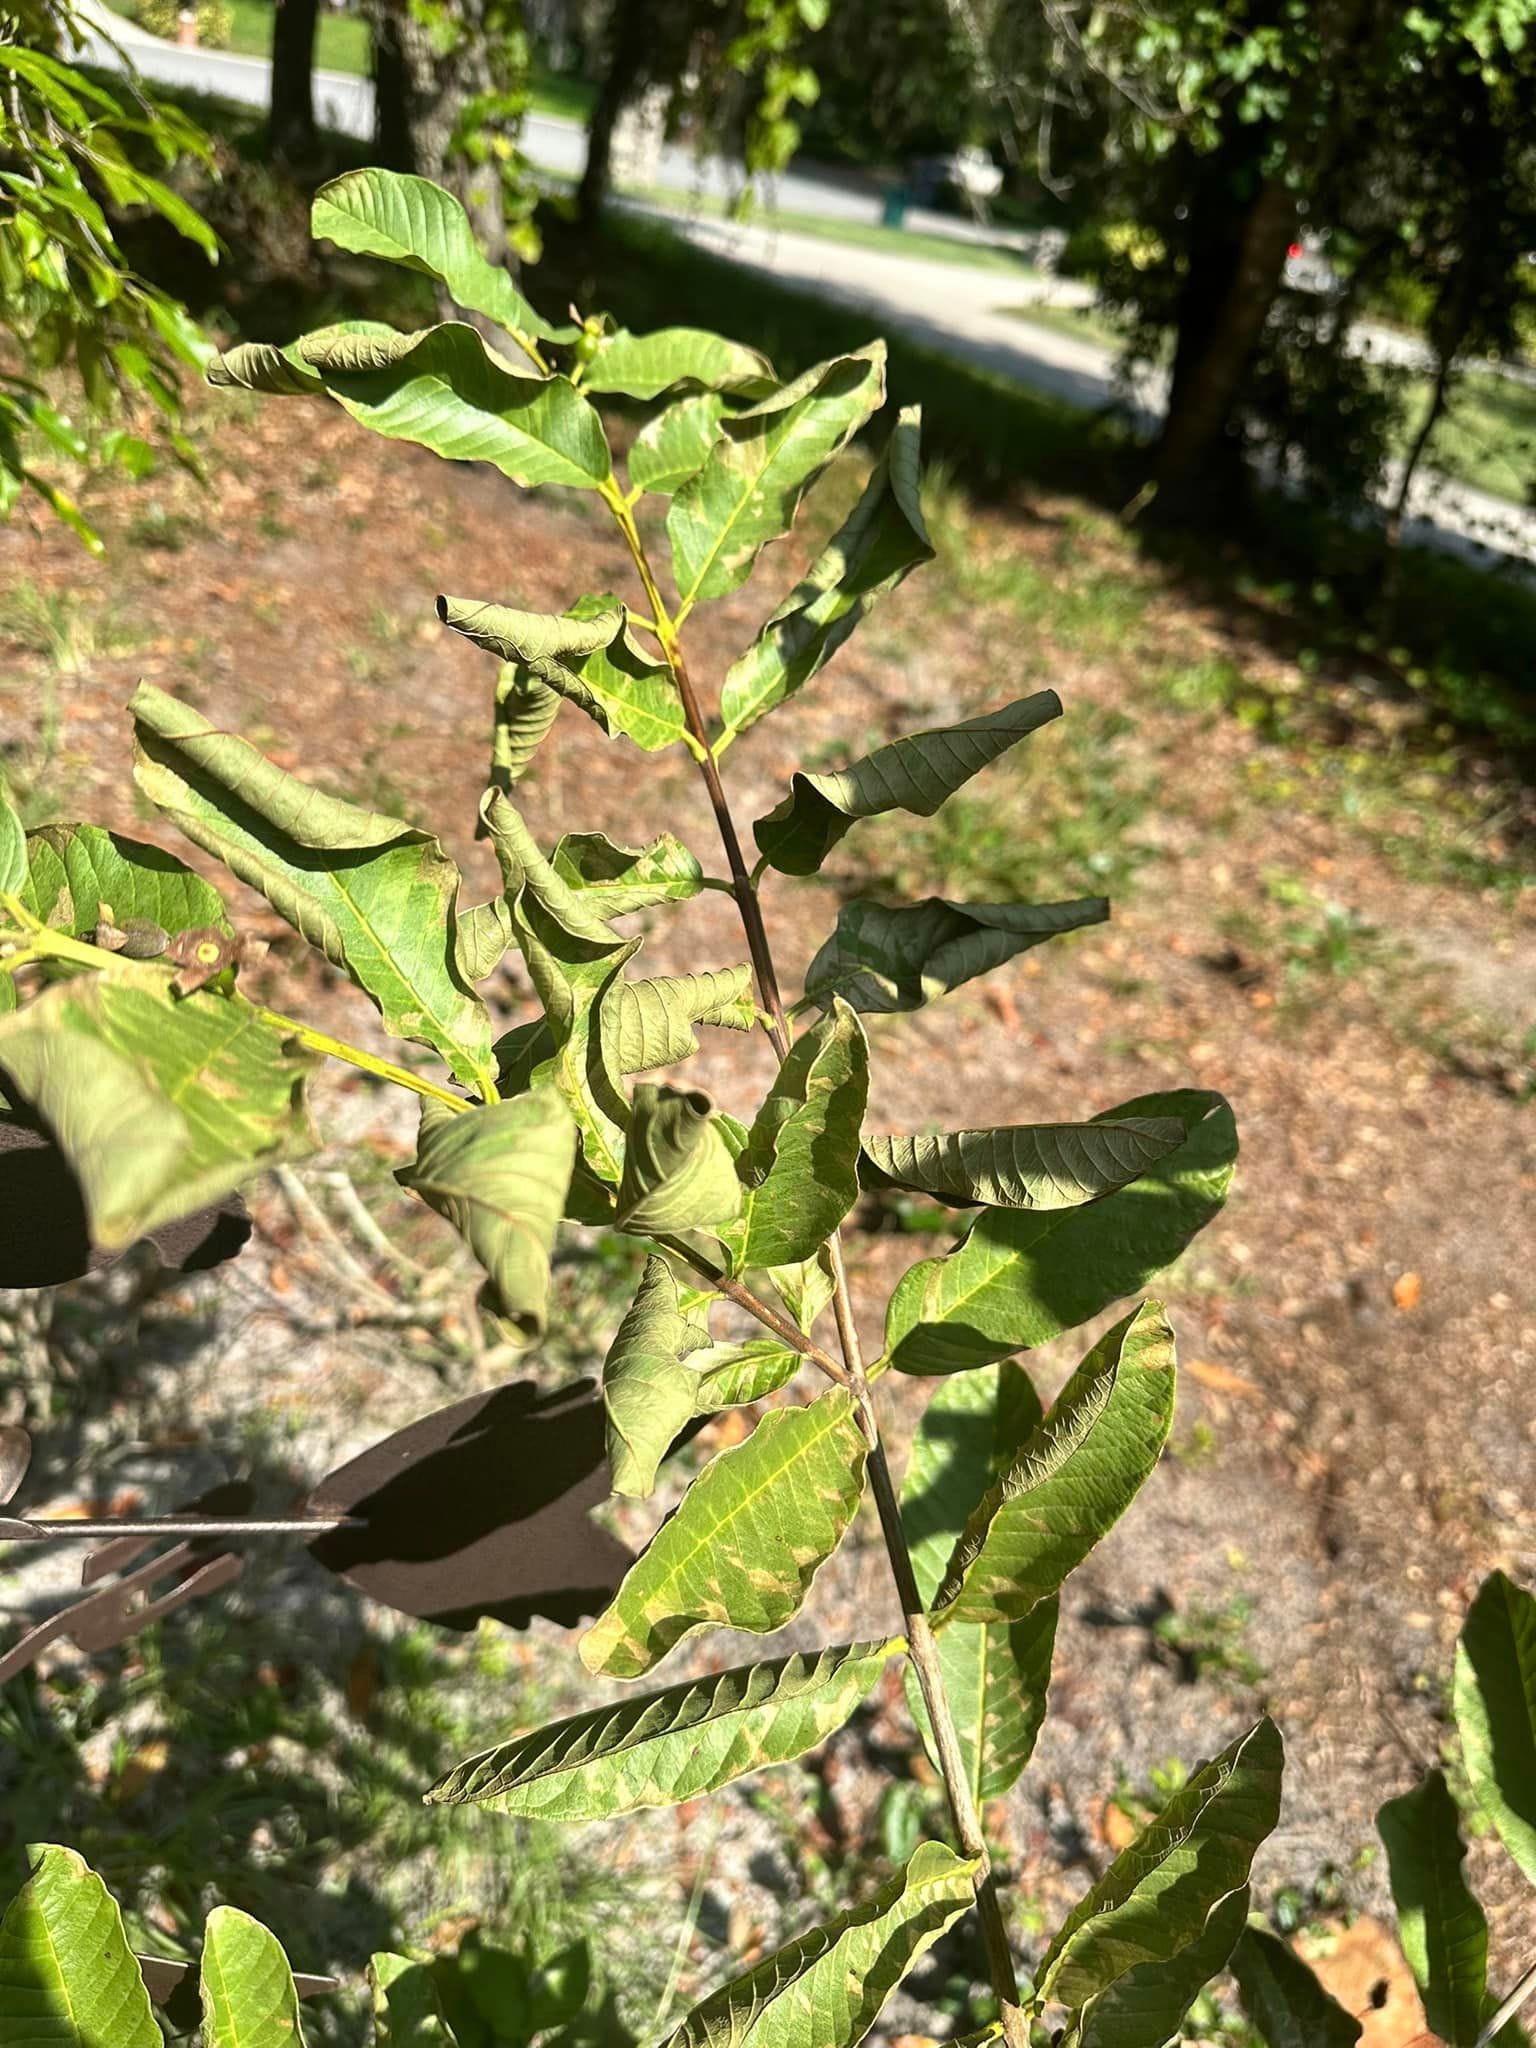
(671, 1745)
(1072, 1479)
(880, 541)
(723, 1559)
(1145, 2007)
(879, 959)
(67, 1975)
(407, 2012)
(1496, 1711)
(1439, 1923)
(645, 365)
(800, 1165)
(1283, 1997)
(648, 1390)
(747, 491)
(1024, 1276)
(917, 774)
(1024, 1166)
(590, 658)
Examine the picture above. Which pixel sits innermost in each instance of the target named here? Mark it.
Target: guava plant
(165, 1086)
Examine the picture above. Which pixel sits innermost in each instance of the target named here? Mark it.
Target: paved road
(950, 307)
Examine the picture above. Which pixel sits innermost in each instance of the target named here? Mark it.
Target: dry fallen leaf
(1220, 1378)
(1406, 1290)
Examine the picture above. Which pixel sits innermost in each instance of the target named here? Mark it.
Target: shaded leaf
(524, 712)
(160, 1106)
(878, 543)
(675, 444)
(1157, 1895)
(678, 1171)
(1071, 1480)
(880, 959)
(1284, 1998)
(800, 1163)
(648, 1392)
(13, 848)
(1024, 1276)
(67, 1976)
(407, 2012)
(412, 222)
(650, 1023)
(917, 773)
(747, 491)
(380, 901)
(249, 1999)
(1439, 1923)
(499, 1173)
(645, 365)
(1495, 1696)
(1145, 2007)
(671, 1745)
(79, 876)
(441, 388)
(734, 1375)
(1024, 1166)
(484, 934)
(615, 879)
(826, 1989)
(724, 1558)
(589, 658)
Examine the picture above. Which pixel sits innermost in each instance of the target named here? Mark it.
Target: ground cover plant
(1000, 1502)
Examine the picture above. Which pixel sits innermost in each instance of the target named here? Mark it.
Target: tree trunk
(421, 91)
(630, 37)
(291, 120)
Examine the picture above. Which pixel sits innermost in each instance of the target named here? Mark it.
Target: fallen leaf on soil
(1364, 1969)
(145, 1764)
(1220, 1378)
(1406, 1290)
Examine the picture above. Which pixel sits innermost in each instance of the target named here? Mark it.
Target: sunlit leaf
(378, 902)
(67, 1975)
(734, 1375)
(645, 365)
(800, 1164)
(1022, 1277)
(917, 774)
(650, 1023)
(499, 1173)
(881, 959)
(13, 848)
(1023, 1166)
(649, 1393)
(1284, 1998)
(249, 1999)
(590, 658)
(880, 541)
(615, 879)
(671, 1745)
(1495, 1699)
(741, 1550)
(746, 493)
(675, 444)
(80, 876)
(826, 1989)
(1072, 1478)
(678, 1172)
(1439, 1923)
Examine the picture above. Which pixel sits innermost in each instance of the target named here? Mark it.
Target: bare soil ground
(1309, 919)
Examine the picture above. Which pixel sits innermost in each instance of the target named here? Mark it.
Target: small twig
(46, 1528)
(364, 1223)
(1508, 2009)
(310, 1217)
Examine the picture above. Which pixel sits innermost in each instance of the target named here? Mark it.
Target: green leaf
(499, 1174)
(1440, 1924)
(735, 1375)
(675, 445)
(648, 1392)
(1157, 1895)
(995, 1675)
(1495, 1696)
(1024, 1166)
(673, 1745)
(616, 879)
(414, 223)
(160, 1106)
(826, 1989)
(13, 849)
(484, 934)
(249, 2000)
(917, 773)
(1283, 1997)
(67, 1976)
(645, 365)
(749, 487)
(1145, 2007)
(878, 543)
(407, 2012)
(650, 1023)
(800, 1165)
(880, 959)
(524, 712)
(378, 902)
(79, 876)
(1022, 1277)
(1072, 1479)
(723, 1559)
(678, 1170)
(444, 390)
(805, 1287)
(590, 658)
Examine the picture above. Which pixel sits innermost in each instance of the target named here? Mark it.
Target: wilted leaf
(499, 1173)
(1071, 1480)
(826, 1989)
(879, 959)
(67, 1976)
(1024, 1276)
(734, 1375)
(1024, 1166)
(1496, 1711)
(678, 1171)
(878, 543)
(671, 1745)
(747, 491)
(1439, 1923)
(917, 774)
(1283, 1997)
(525, 709)
(249, 1999)
(645, 365)
(650, 1023)
(725, 1558)
(800, 1164)
(675, 444)
(648, 1391)
(380, 901)
(615, 879)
